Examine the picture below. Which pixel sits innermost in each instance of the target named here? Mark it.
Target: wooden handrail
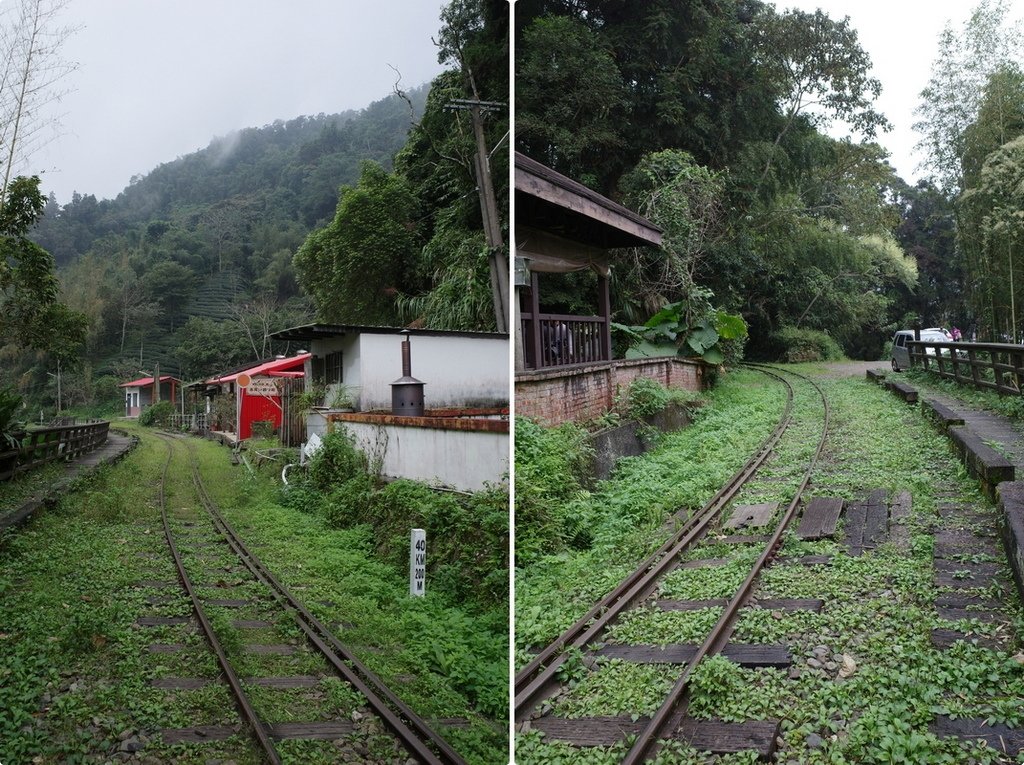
(992, 366)
(43, 445)
(564, 340)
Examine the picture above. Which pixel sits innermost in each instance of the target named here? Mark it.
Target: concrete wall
(628, 440)
(582, 393)
(456, 458)
(458, 371)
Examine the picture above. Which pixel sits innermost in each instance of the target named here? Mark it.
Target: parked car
(901, 353)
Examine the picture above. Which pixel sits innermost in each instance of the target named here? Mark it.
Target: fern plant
(11, 430)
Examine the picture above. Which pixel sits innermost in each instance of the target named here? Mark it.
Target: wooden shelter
(562, 226)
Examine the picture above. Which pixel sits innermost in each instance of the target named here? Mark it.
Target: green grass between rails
(74, 669)
(878, 615)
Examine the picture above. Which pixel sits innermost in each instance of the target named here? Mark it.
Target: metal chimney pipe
(407, 391)
(406, 357)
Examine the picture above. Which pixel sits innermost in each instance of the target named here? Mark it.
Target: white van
(900, 351)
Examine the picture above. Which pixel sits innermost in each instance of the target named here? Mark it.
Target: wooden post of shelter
(538, 348)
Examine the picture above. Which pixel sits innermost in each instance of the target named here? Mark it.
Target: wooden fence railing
(560, 340)
(996, 366)
(42, 445)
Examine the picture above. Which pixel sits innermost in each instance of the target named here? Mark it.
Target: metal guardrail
(43, 445)
(995, 366)
(195, 422)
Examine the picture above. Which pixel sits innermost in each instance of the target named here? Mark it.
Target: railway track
(540, 679)
(207, 529)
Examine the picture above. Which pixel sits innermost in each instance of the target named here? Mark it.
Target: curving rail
(537, 680)
(673, 708)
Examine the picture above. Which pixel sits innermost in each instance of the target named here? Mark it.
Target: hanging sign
(262, 386)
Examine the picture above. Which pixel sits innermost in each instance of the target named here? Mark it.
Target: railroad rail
(538, 680)
(415, 735)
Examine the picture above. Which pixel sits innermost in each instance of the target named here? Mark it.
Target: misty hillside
(198, 252)
(292, 168)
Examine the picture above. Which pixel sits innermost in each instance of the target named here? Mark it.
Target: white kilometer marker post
(418, 563)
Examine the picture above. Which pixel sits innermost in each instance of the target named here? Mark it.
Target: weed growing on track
(866, 681)
(623, 518)
(446, 653)
(75, 670)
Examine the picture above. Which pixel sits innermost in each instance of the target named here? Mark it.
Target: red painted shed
(258, 390)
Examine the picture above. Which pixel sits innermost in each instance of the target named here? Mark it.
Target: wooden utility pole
(488, 207)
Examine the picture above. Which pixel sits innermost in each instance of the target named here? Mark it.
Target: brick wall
(582, 393)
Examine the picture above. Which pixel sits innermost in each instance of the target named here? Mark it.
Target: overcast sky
(157, 79)
(901, 36)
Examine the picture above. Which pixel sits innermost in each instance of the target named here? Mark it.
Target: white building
(461, 441)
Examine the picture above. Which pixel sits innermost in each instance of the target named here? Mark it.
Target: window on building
(332, 368)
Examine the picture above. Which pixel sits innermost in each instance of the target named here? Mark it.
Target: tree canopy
(709, 118)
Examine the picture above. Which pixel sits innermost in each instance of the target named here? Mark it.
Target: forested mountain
(289, 171)
(409, 246)
(368, 217)
(710, 118)
(191, 265)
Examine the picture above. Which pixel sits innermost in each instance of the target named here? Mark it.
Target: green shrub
(336, 462)
(795, 345)
(349, 503)
(550, 463)
(158, 415)
(10, 403)
(263, 429)
(645, 398)
(467, 536)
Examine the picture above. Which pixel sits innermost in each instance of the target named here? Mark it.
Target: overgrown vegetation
(1008, 406)
(468, 535)
(795, 345)
(579, 543)
(157, 415)
(10, 427)
(866, 681)
(550, 463)
(74, 671)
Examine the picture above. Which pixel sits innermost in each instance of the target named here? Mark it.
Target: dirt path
(852, 368)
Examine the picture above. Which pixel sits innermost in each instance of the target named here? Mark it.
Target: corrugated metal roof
(147, 381)
(277, 365)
